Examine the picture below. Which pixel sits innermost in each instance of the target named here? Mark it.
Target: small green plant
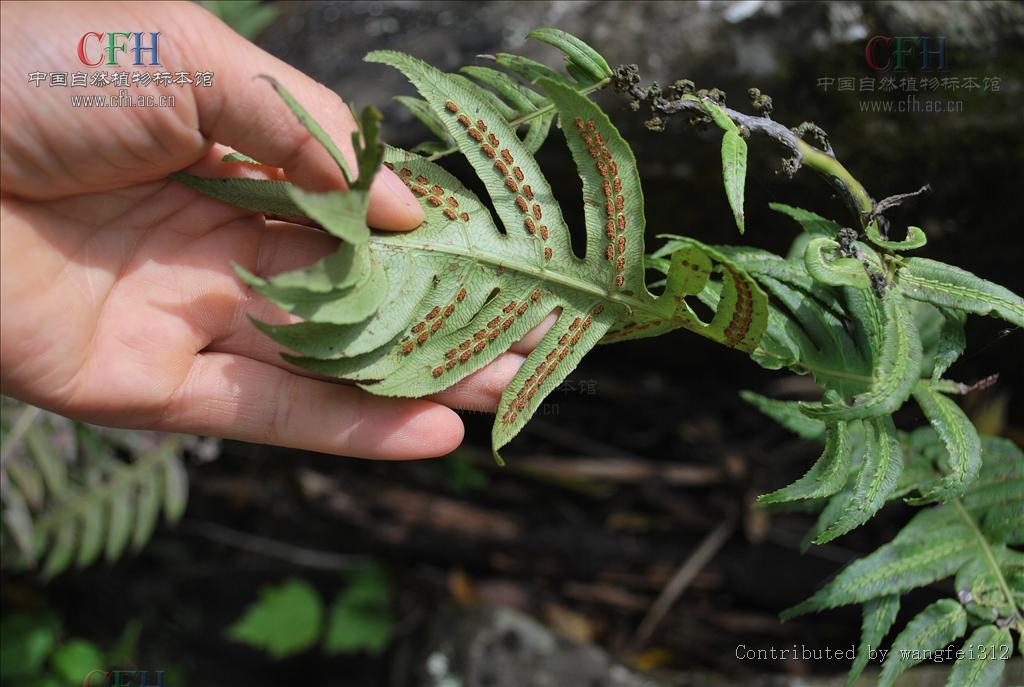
(289, 619)
(73, 493)
(411, 314)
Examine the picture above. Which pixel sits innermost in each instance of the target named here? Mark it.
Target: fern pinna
(412, 314)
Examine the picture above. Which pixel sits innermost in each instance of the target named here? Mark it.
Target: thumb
(242, 111)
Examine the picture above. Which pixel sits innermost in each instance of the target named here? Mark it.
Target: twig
(309, 558)
(823, 161)
(700, 557)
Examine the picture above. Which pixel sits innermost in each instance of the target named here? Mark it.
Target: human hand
(117, 299)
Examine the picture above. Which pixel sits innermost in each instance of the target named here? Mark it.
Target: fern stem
(993, 564)
(528, 117)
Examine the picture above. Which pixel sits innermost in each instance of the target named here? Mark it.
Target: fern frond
(101, 507)
(431, 307)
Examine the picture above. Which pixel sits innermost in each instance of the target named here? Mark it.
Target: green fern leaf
(826, 266)
(119, 526)
(90, 538)
(916, 238)
(582, 61)
(879, 615)
(258, 195)
(895, 370)
(933, 546)
(985, 654)
(961, 440)
(929, 631)
(175, 481)
(827, 475)
(810, 222)
(147, 508)
(62, 550)
(734, 172)
(951, 287)
(951, 342)
(878, 475)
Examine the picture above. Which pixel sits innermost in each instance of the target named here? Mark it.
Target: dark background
(546, 541)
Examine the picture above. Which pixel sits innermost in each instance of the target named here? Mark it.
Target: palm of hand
(132, 316)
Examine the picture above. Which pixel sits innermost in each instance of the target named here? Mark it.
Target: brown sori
(449, 213)
(475, 135)
(461, 295)
(622, 222)
(521, 204)
(494, 322)
(434, 312)
(434, 200)
(537, 214)
(407, 348)
(437, 325)
(535, 296)
(502, 167)
(464, 120)
(530, 226)
(507, 156)
(422, 179)
(480, 125)
(518, 173)
(464, 216)
(622, 244)
(494, 140)
(406, 172)
(449, 310)
(420, 326)
(453, 201)
(522, 308)
(543, 231)
(548, 253)
(418, 190)
(609, 253)
(528, 192)
(488, 150)
(509, 308)
(512, 185)
(437, 371)
(422, 338)
(452, 107)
